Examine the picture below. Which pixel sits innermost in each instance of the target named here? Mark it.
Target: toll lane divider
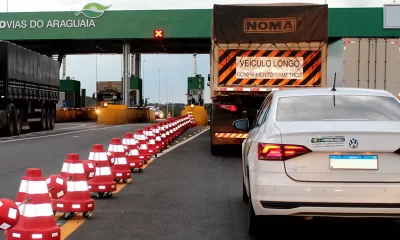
(121, 114)
(75, 115)
(107, 115)
(199, 113)
(39, 198)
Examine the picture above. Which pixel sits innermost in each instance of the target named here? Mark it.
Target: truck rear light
(231, 108)
(280, 152)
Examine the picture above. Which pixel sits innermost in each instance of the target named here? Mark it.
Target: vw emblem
(353, 143)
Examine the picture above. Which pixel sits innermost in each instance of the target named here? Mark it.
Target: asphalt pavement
(184, 194)
(47, 150)
(190, 194)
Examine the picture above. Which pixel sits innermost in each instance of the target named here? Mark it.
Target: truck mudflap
(222, 135)
(226, 135)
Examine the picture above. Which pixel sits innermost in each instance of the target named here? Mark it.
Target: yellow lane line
(71, 225)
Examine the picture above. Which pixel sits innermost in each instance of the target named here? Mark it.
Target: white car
(323, 152)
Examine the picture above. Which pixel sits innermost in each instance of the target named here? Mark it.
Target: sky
(174, 69)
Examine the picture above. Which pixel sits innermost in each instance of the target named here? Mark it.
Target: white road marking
(70, 127)
(60, 134)
(180, 144)
(55, 129)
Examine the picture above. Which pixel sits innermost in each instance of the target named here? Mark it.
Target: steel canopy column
(138, 63)
(126, 83)
(138, 67)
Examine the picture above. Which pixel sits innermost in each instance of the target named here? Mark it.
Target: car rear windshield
(340, 108)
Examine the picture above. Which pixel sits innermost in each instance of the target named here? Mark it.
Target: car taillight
(280, 152)
(231, 108)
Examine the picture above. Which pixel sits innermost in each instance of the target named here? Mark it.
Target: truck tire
(51, 118)
(18, 122)
(43, 122)
(216, 150)
(10, 125)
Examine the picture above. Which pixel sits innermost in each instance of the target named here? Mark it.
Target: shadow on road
(334, 228)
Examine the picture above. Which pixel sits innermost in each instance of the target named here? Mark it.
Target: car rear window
(344, 108)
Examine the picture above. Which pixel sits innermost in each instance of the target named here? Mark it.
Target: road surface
(184, 194)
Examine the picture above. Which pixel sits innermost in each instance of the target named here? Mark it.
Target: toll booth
(195, 89)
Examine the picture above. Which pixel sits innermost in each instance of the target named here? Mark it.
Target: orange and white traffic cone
(77, 198)
(153, 147)
(163, 135)
(102, 184)
(143, 148)
(186, 122)
(129, 141)
(156, 130)
(167, 137)
(175, 133)
(37, 220)
(120, 170)
(193, 122)
(181, 128)
(170, 131)
(134, 161)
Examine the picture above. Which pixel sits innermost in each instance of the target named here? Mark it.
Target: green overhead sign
(93, 10)
(90, 12)
(96, 21)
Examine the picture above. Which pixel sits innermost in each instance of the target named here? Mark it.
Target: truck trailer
(257, 49)
(29, 89)
(366, 63)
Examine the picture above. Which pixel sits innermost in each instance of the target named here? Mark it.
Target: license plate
(365, 162)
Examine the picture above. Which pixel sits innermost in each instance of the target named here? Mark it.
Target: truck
(29, 90)
(256, 49)
(108, 93)
(365, 63)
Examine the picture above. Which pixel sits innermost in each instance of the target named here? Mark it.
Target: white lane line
(70, 127)
(60, 134)
(180, 144)
(55, 129)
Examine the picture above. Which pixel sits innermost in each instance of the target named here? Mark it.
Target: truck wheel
(216, 150)
(10, 126)
(51, 118)
(34, 126)
(43, 121)
(18, 122)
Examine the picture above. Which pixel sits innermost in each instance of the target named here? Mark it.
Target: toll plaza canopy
(97, 29)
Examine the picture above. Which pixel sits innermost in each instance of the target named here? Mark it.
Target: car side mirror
(241, 124)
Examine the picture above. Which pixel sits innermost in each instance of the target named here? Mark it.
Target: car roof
(297, 92)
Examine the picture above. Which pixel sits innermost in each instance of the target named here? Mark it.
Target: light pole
(166, 84)
(159, 87)
(172, 101)
(142, 76)
(96, 68)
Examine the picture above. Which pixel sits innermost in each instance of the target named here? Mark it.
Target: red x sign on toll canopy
(158, 33)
